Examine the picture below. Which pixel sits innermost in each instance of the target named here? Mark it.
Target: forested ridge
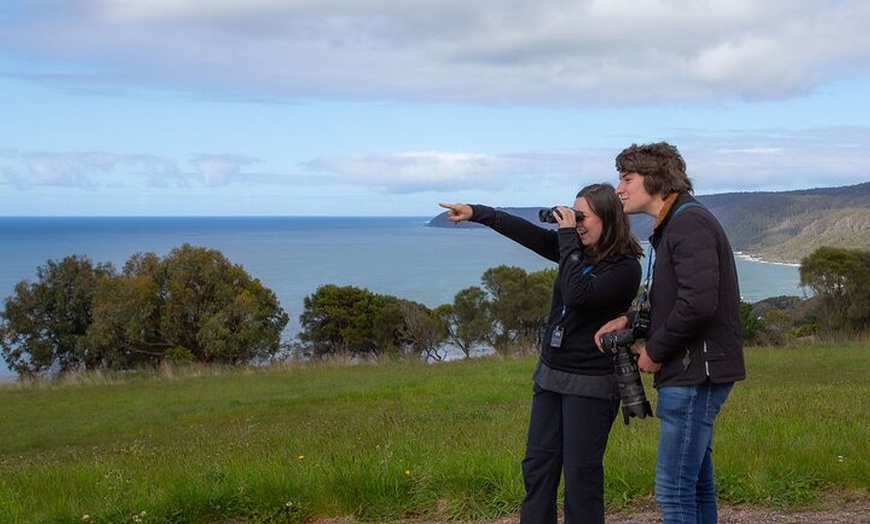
(778, 226)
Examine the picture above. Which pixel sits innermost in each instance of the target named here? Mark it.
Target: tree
(859, 307)
(841, 280)
(520, 304)
(540, 286)
(423, 331)
(125, 331)
(193, 305)
(776, 328)
(750, 323)
(212, 308)
(468, 321)
(339, 320)
(354, 322)
(44, 323)
(389, 336)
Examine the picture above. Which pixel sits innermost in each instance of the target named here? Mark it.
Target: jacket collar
(669, 203)
(672, 203)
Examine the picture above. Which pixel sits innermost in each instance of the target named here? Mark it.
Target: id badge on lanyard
(556, 338)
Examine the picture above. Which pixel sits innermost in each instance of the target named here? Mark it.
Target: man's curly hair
(662, 167)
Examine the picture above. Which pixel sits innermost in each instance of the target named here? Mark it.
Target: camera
(640, 325)
(634, 402)
(549, 215)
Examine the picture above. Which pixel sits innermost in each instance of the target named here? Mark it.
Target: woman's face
(590, 227)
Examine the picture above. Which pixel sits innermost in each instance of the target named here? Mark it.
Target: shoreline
(752, 257)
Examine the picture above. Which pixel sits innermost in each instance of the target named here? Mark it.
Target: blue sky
(386, 107)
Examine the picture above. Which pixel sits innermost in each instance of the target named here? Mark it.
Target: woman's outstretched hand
(457, 212)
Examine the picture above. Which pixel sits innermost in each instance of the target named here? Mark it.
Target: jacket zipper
(706, 362)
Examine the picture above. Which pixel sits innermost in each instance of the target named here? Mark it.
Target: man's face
(633, 196)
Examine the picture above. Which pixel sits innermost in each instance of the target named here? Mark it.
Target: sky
(387, 107)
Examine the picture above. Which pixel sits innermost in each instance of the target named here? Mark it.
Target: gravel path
(857, 512)
(833, 511)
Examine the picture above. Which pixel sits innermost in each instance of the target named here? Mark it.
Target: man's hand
(644, 363)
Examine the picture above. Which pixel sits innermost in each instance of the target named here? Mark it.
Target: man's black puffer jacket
(695, 329)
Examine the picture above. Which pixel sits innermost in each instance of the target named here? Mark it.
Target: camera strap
(644, 296)
(647, 283)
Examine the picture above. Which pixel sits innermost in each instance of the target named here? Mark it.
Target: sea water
(293, 256)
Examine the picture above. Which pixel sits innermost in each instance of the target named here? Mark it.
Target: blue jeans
(684, 488)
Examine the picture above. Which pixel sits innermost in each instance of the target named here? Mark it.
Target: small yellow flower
(301, 458)
(408, 472)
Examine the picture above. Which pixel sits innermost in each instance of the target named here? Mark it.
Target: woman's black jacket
(591, 294)
(695, 329)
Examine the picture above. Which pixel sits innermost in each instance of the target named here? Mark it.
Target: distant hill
(779, 226)
(790, 225)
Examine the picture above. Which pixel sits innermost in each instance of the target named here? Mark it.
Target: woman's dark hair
(616, 237)
(660, 164)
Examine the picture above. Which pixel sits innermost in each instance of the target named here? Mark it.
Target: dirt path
(836, 510)
(856, 512)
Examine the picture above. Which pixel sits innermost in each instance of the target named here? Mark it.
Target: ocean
(293, 256)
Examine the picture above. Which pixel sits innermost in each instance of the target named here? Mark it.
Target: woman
(575, 394)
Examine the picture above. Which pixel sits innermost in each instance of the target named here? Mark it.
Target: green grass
(389, 441)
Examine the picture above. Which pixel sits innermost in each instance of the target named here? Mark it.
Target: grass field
(388, 441)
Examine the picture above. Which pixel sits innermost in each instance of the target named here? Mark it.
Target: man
(693, 344)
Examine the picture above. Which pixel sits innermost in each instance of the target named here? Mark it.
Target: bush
(193, 305)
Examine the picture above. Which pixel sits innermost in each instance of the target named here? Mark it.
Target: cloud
(55, 169)
(548, 53)
(220, 170)
(88, 170)
(777, 161)
(773, 161)
(95, 171)
(413, 172)
(723, 162)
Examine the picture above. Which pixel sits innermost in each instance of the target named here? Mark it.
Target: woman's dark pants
(571, 431)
